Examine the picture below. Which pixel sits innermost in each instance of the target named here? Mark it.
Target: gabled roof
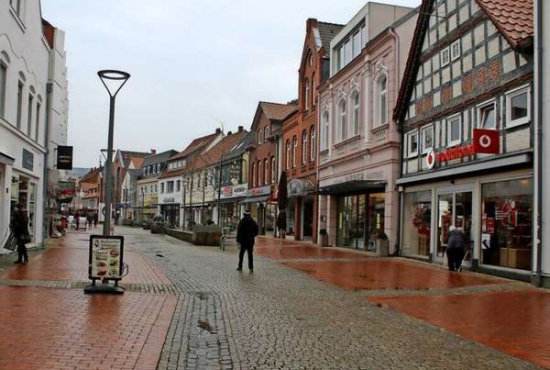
(513, 18)
(91, 174)
(276, 111)
(196, 145)
(225, 145)
(158, 158)
(137, 162)
(128, 155)
(327, 32)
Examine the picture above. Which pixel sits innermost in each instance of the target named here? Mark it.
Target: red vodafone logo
(430, 159)
(486, 141)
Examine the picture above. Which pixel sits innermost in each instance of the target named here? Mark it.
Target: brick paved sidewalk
(510, 316)
(49, 323)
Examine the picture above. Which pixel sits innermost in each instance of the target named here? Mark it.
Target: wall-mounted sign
(266, 190)
(106, 257)
(235, 191)
(484, 142)
(28, 160)
(297, 187)
(64, 157)
(169, 200)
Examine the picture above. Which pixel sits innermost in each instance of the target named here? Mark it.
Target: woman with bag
(20, 229)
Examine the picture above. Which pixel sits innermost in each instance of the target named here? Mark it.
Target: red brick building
(300, 138)
(264, 159)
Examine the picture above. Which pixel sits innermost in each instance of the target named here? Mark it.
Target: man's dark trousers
(250, 250)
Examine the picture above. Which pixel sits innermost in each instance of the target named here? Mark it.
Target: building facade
(359, 142)
(173, 197)
(264, 158)
(299, 144)
(465, 110)
(24, 79)
(147, 204)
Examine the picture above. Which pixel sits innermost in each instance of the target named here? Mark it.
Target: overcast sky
(194, 64)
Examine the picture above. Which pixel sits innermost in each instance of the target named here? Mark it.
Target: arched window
(342, 121)
(313, 92)
(304, 147)
(355, 101)
(259, 174)
(266, 172)
(266, 133)
(325, 127)
(253, 174)
(313, 140)
(273, 170)
(288, 155)
(383, 100)
(294, 151)
(306, 95)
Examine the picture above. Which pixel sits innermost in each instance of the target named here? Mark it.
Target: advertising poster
(106, 253)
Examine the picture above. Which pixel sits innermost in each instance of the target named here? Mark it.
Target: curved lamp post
(122, 78)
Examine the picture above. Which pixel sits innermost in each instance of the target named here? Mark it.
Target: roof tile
(514, 18)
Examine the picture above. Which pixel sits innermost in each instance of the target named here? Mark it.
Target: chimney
(229, 133)
(153, 151)
(241, 128)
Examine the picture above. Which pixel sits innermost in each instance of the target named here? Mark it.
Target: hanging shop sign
(106, 257)
(484, 142)
(64, 157)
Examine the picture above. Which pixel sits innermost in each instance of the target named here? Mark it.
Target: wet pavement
(304, 307)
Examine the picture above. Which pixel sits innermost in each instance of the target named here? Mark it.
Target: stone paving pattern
(197, 312)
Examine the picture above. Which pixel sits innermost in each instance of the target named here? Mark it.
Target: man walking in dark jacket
(246, 233)
(20, 229)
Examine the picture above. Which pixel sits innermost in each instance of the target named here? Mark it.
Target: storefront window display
(506, 224)
(417, 219)
(360, 219)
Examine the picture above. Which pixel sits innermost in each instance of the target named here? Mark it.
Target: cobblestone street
(303, 308)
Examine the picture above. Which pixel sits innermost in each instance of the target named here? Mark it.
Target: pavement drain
(159, 255)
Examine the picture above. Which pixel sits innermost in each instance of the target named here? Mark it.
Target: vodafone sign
(485, 142)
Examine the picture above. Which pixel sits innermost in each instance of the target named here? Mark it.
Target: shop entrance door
(454, 209)
(307, 220)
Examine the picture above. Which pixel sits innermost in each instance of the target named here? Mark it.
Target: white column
(367, 108)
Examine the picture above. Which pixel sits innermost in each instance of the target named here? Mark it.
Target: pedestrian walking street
(304, 307)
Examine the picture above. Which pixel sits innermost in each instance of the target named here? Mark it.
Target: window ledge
(18, 20)
(380, 128)
(347, 141)
(510, 125)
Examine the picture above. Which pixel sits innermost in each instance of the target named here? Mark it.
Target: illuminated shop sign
(484, 142)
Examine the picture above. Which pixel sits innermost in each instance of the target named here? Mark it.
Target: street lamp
(121, 78)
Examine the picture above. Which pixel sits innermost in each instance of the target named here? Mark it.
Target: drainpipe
(538, 138)
(45, 226)
(401, 151)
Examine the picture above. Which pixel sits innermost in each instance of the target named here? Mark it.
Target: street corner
(515, 322)
(388, 274)
(51, 328)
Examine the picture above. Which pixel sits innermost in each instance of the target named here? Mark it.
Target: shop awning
(350, 187)
(257, 199)
(488, 165)
(6, 159)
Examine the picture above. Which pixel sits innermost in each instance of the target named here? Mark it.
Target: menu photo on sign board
(106, 257)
